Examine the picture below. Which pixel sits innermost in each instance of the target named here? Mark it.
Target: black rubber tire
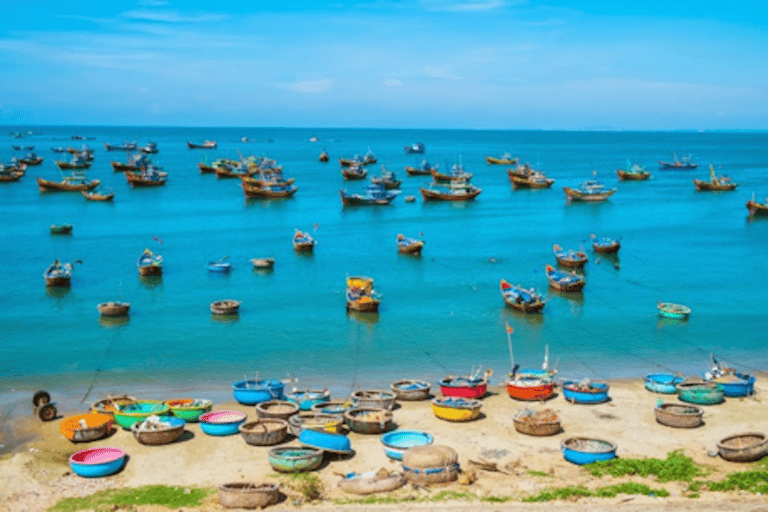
(47, 412)
(40, 398)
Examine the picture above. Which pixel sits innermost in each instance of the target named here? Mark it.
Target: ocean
(441, 313)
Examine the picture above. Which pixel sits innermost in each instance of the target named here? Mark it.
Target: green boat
(61, 229)
(129, 414)
(700, 393)
(191, 412)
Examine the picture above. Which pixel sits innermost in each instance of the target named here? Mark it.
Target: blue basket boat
(222, 423)
(595, 393)
(663, 383)
(294, 460)
(397, 442)
(326, 441)
(96, 462)
(306, 398)
(733, 385)
(584, 450)
(252, 392)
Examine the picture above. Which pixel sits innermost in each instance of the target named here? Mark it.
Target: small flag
(510, 330)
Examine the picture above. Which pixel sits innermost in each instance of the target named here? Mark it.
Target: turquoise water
(440, 313)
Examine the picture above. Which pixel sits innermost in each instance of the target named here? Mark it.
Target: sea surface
(441, 313)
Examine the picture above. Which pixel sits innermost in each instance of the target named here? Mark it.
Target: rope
(98, 367)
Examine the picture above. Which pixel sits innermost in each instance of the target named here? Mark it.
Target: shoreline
(38, 468)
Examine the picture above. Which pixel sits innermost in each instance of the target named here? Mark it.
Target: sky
(478, 64)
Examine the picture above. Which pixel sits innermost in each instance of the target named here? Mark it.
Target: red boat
(465, 387)
(530, 388)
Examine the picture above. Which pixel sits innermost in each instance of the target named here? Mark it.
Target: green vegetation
(441, 496)
(533, 472)
(171, 497)
(676, 467)
(609, 491)
(753, 481)
(308, 485)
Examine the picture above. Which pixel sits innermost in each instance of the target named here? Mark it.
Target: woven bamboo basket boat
(264, 432)
(411, 390)
(374, 398)
(368, 420)
(745, 447)
(324, 422)
(248, 495)
(110, 404)
(84, 428)
(679, 415)
(163, 431)
(541, 423)
(280, 409)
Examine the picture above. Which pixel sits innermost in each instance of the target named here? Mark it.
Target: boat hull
(370, 306)
(611, 248)
(414, 248)
(500, 161)
(596, 395)
(431, 195)
(707, 186)
(582, 456)
(541, 391)
(151, 270)
(664, 383)
(756, 209)
(46, 186)
(477, 391)
(457, 414)
(575, 195)
(632, 176)
(415, 171)
(113, 308)
(520, 182)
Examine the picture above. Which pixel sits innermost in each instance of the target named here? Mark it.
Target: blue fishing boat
(374, 194)
(413, 149)
(521, 299)
(684, 163)
(306, 398)
(150, 264)
(303, 241)
(252, 392)
(569, 258)
(665, 383)
(585, 392)
(397, 442)
(97, 462)
(584, 450)
(220, 266)
(564, 281)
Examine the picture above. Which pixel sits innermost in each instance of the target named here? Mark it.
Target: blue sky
(495, 64)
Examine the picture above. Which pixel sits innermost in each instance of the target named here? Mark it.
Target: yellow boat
(456, 409)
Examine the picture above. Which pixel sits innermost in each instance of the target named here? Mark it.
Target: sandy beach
(37, 475)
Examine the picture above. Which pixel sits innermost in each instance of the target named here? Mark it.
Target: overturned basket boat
(433, 464)
(411, 390)
(248, 495)
(158, 430)
(585, 450)
(314, 421)
(369, 483)
(225, 307)
(541, 423)
(326, 441)
(373, 398)
(189, 409)
(84, 428)
(280, 409)
(368, 420)
(745, 447)
(679, 415)
(264, 432)
(700, 393)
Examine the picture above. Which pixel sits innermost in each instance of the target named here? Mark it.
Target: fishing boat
(323, 156)
(425, 169)
(251, 392)
(31, 160)
(219, 266)
(135, 163)
(732, 382)
(72, 183)
(456, 409)
(59, 149)
(222, 171)
(61, 229)
(634, 172)
(263, 263)
(746, 447)
(150, 264)
(113, 308)
(99, 194)
(149, 148)
(205, 168)
(355, 161)
(590, 191)
(147, 177)
(535, 179)
(674, 311)
(569, 258)
(369, 157)
(664, 383)
(605, 245)
(475, 385)
(354, 172)
(303, 241)
(388, 179)
(530, 387)
(208, 144)
(585, 392)
(715, 183)
(374, 194)
(415, 149)
(58, 274)
(97, 462)
(455, 191)
(411, 389)
(406, 245)
(684, 163)
(757, 209)
(457, 173)
(77, 162)
(269, 191)
(505, 159)
(521, 299)
(84, 428)
(306, 398)
(564, 281)
(22, 148)
(225, 307)
(125, 146)
(8, 175)
(361, 296)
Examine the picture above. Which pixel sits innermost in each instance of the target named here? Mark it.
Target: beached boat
(372, 482)
(457, 173)
(674, 311)
(455, 191)
(425, 169)
(664, 383)
(700, 393)
(219, 266)
(127, 415)
(303, 241)
(225, 307)
(222, 423)
(60, 229)
(396, 443)
(429, 465)
(58, 274)
(564, 281)
(189, 410)
(590, 191)
(374, 399)
(147, 177)
(72, 183)
(157, 430)
(374, 194)
(456, 409)
(521, 299)
(757, 209)
(471, 386)
(537, 423)
(605, 245)
(361, 296)
(406, 245)
(105, 194)
(732, 382)
(263, 263)
(569, 258)
(388, 179)
(715, 183)
(31, 160)
(294, 460)
(354, 172)
(306, 398)
(111, 404)
(150, 264)
(149, 148)
(277, 409)
(208, 144)
(746, 447)
(324, 156)
(684, 163)
(368, 420)
(505, 159)
(411, 390)
(585, 450)
(77, 162)
(585, 392)
(84, 428)
(634, 172)
(125, 146)
(251, 392)
(533, 180)
(97, 462)
(264, 431)
(316, 419)
(678, 415)
(113, 308)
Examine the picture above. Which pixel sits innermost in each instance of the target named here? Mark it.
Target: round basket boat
(746, 447)
(332, 407)
(411, 390)
(225, 307)
(158, 430)
(456, 409)
(248, 495)
(541, 423)
(463, 387)
(280, 409)
(594, 393)
(306, 398)
(191, 411)
(294, 460)
(367, 420)
(222, 423)
(585, 450)
(734, 385)
(433, 464)
(84, 428)
(264, 432)
(140, 410)
(326, 441)
(96, 462)
(530, 388)
(252, 392)
(374, 399)
(315, 421)
(397, 442)
(679, 415)
(113, 308)
(700, 393)
(665, 383)
(369, 483)
(110, 404)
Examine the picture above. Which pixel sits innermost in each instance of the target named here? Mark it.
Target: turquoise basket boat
(222, 423)
(252, 392)
(191, 412)
(140, 410)
(306, 398)
(326, 441)
(397, 442)
(700, 393)
(596, 393)
(294, 460)
(674, 311)
(665, 383)
(584, 450)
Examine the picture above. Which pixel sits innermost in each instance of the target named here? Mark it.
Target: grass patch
(676, 467)
(164, 495)
(755, 481)
(438, 497)
(610, 491)
(308, 485)
(533, 472)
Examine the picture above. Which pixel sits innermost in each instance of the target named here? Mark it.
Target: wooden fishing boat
(125, 146)
(505, 159)
(10, 174)
(521, 299)
(269, 191)
(355, 172)
(74, 164)
(374, 399)
(368, 420)
(111, 404)
(684, 163)
(106, 194)
(121, 167)
(361, 296)
(58, 274)
(146, 178)
(429, 465)
(425, 169)
(59, 149)
(279, 409)
(745, 447)
(569, 258)
(715, 183)
(150, 264)
(634, 173)
(225, 307)
(564, 281)
(407, 245)
(323, 156)
(113, 308)
(303, 241)
(205, 168)
(61, 229)
(537, 423)
(456, 191)
(757, 209)
(388, 179)
(75, 183)
(415, 149)
(605, 245)
(374, 194)
(355, 161)
(585, 392)
(315, 420)
(456, 409)
(149, 148)
(369, 157)
(31, 160)
(263, 263)
(84, 428)
(472, 386)
(306, 398)
(585, 450)
(674, 311)
(457, 173)
(521, 171)
(208, 144)
(534, 180)
(229, 172)
(590, 191)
